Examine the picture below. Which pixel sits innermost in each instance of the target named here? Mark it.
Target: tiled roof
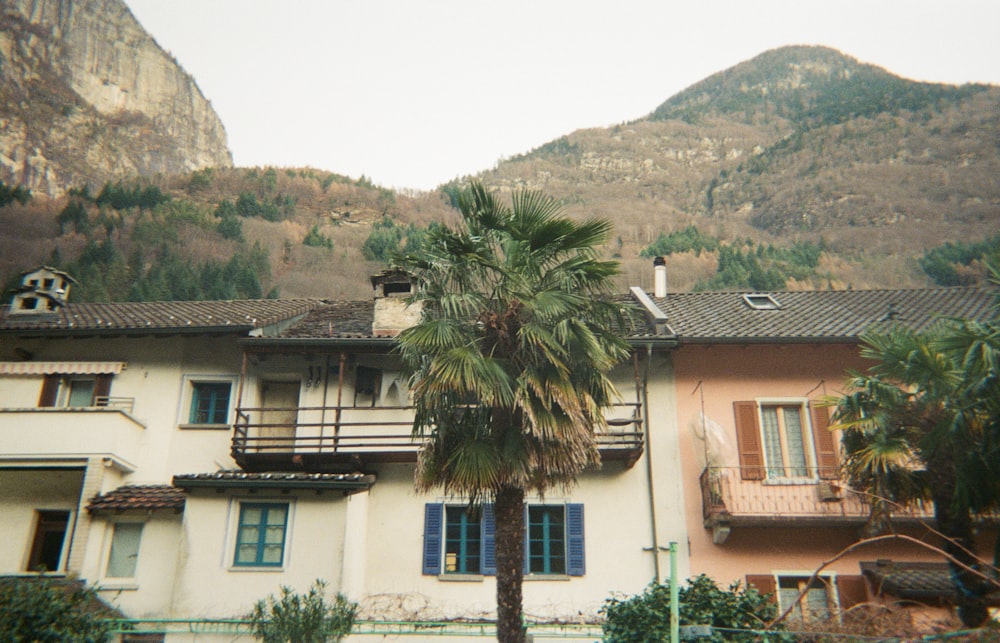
(138, 497)
(910, 580)
(336, 319)
(159, 316)
(280, 480)
(828, 315)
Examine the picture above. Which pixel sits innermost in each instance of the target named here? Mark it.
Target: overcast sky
(413, 93)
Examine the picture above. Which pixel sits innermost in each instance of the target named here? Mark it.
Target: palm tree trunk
(509, 509)
(955, 523)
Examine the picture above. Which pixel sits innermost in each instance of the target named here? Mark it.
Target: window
(81, 392)
(75, 391)
(367, 386)
(463, 541)
(124, 554)
(457, 542)
(260, 536)
(546, 536)
(761, 302)
(824, 596)
(210, 403)
(206, 401)
(784, 440)
(815, 604)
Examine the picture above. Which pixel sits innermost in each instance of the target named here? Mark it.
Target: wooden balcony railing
(338, 438)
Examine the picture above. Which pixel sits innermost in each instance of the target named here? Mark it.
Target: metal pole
(675, 606)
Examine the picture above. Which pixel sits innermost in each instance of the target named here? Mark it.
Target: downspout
(643, 390)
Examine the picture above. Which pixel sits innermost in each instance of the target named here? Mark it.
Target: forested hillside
(801, 168)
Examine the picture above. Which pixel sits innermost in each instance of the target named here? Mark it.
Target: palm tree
(923, 423)
(509, 364)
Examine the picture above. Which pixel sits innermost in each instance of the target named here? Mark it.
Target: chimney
(659, 277)
(393, 313)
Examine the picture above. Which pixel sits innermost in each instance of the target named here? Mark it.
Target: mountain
(801, 168)
(87, 96)
(797, 144)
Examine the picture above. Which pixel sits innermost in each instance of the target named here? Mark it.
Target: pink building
(764, 500)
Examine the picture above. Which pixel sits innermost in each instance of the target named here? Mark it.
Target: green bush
(690, 239)
(732, 613)
(317, 239)
(47, 610)
(302, 618)
(17, 193)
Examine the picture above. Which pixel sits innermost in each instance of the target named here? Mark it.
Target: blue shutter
(488, 554)
(527, 555)
(433, 528)
(575, 557)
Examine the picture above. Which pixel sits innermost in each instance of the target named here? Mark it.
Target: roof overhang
(277, 481)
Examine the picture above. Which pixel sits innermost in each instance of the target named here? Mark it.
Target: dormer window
(29, 303)
(763, 301)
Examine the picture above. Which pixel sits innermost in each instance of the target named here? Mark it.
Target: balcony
(796, 498)
(342, 438)
(60, 433)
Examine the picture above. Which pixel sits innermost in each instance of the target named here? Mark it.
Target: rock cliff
(87, 96)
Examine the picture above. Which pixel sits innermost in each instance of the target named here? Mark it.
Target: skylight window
(761, 302)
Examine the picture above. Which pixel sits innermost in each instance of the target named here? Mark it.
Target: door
(280, 403)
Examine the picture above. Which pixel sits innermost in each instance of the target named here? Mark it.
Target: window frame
(786, 469)
(470, 536)
(186, 409)
(258, 562)
(111, 548)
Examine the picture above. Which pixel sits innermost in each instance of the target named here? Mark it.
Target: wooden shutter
(102, 389)
(765, 584)
(575, 551)
(826, 447)
(433, 529)
(748, 439)
(50, 389)
(851, 590)
(488, 533)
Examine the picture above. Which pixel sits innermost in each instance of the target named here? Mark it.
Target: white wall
(209, 585)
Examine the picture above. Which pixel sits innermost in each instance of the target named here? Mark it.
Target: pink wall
(716, 376)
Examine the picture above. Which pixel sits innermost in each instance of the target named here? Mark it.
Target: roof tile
(138, 497)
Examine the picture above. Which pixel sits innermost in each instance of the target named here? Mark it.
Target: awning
(62, 368)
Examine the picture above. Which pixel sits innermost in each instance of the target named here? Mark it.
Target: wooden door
(280, 403)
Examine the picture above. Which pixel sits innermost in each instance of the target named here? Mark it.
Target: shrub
(317, 239)
(646, 617)
(302, 618)
(46, 610)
